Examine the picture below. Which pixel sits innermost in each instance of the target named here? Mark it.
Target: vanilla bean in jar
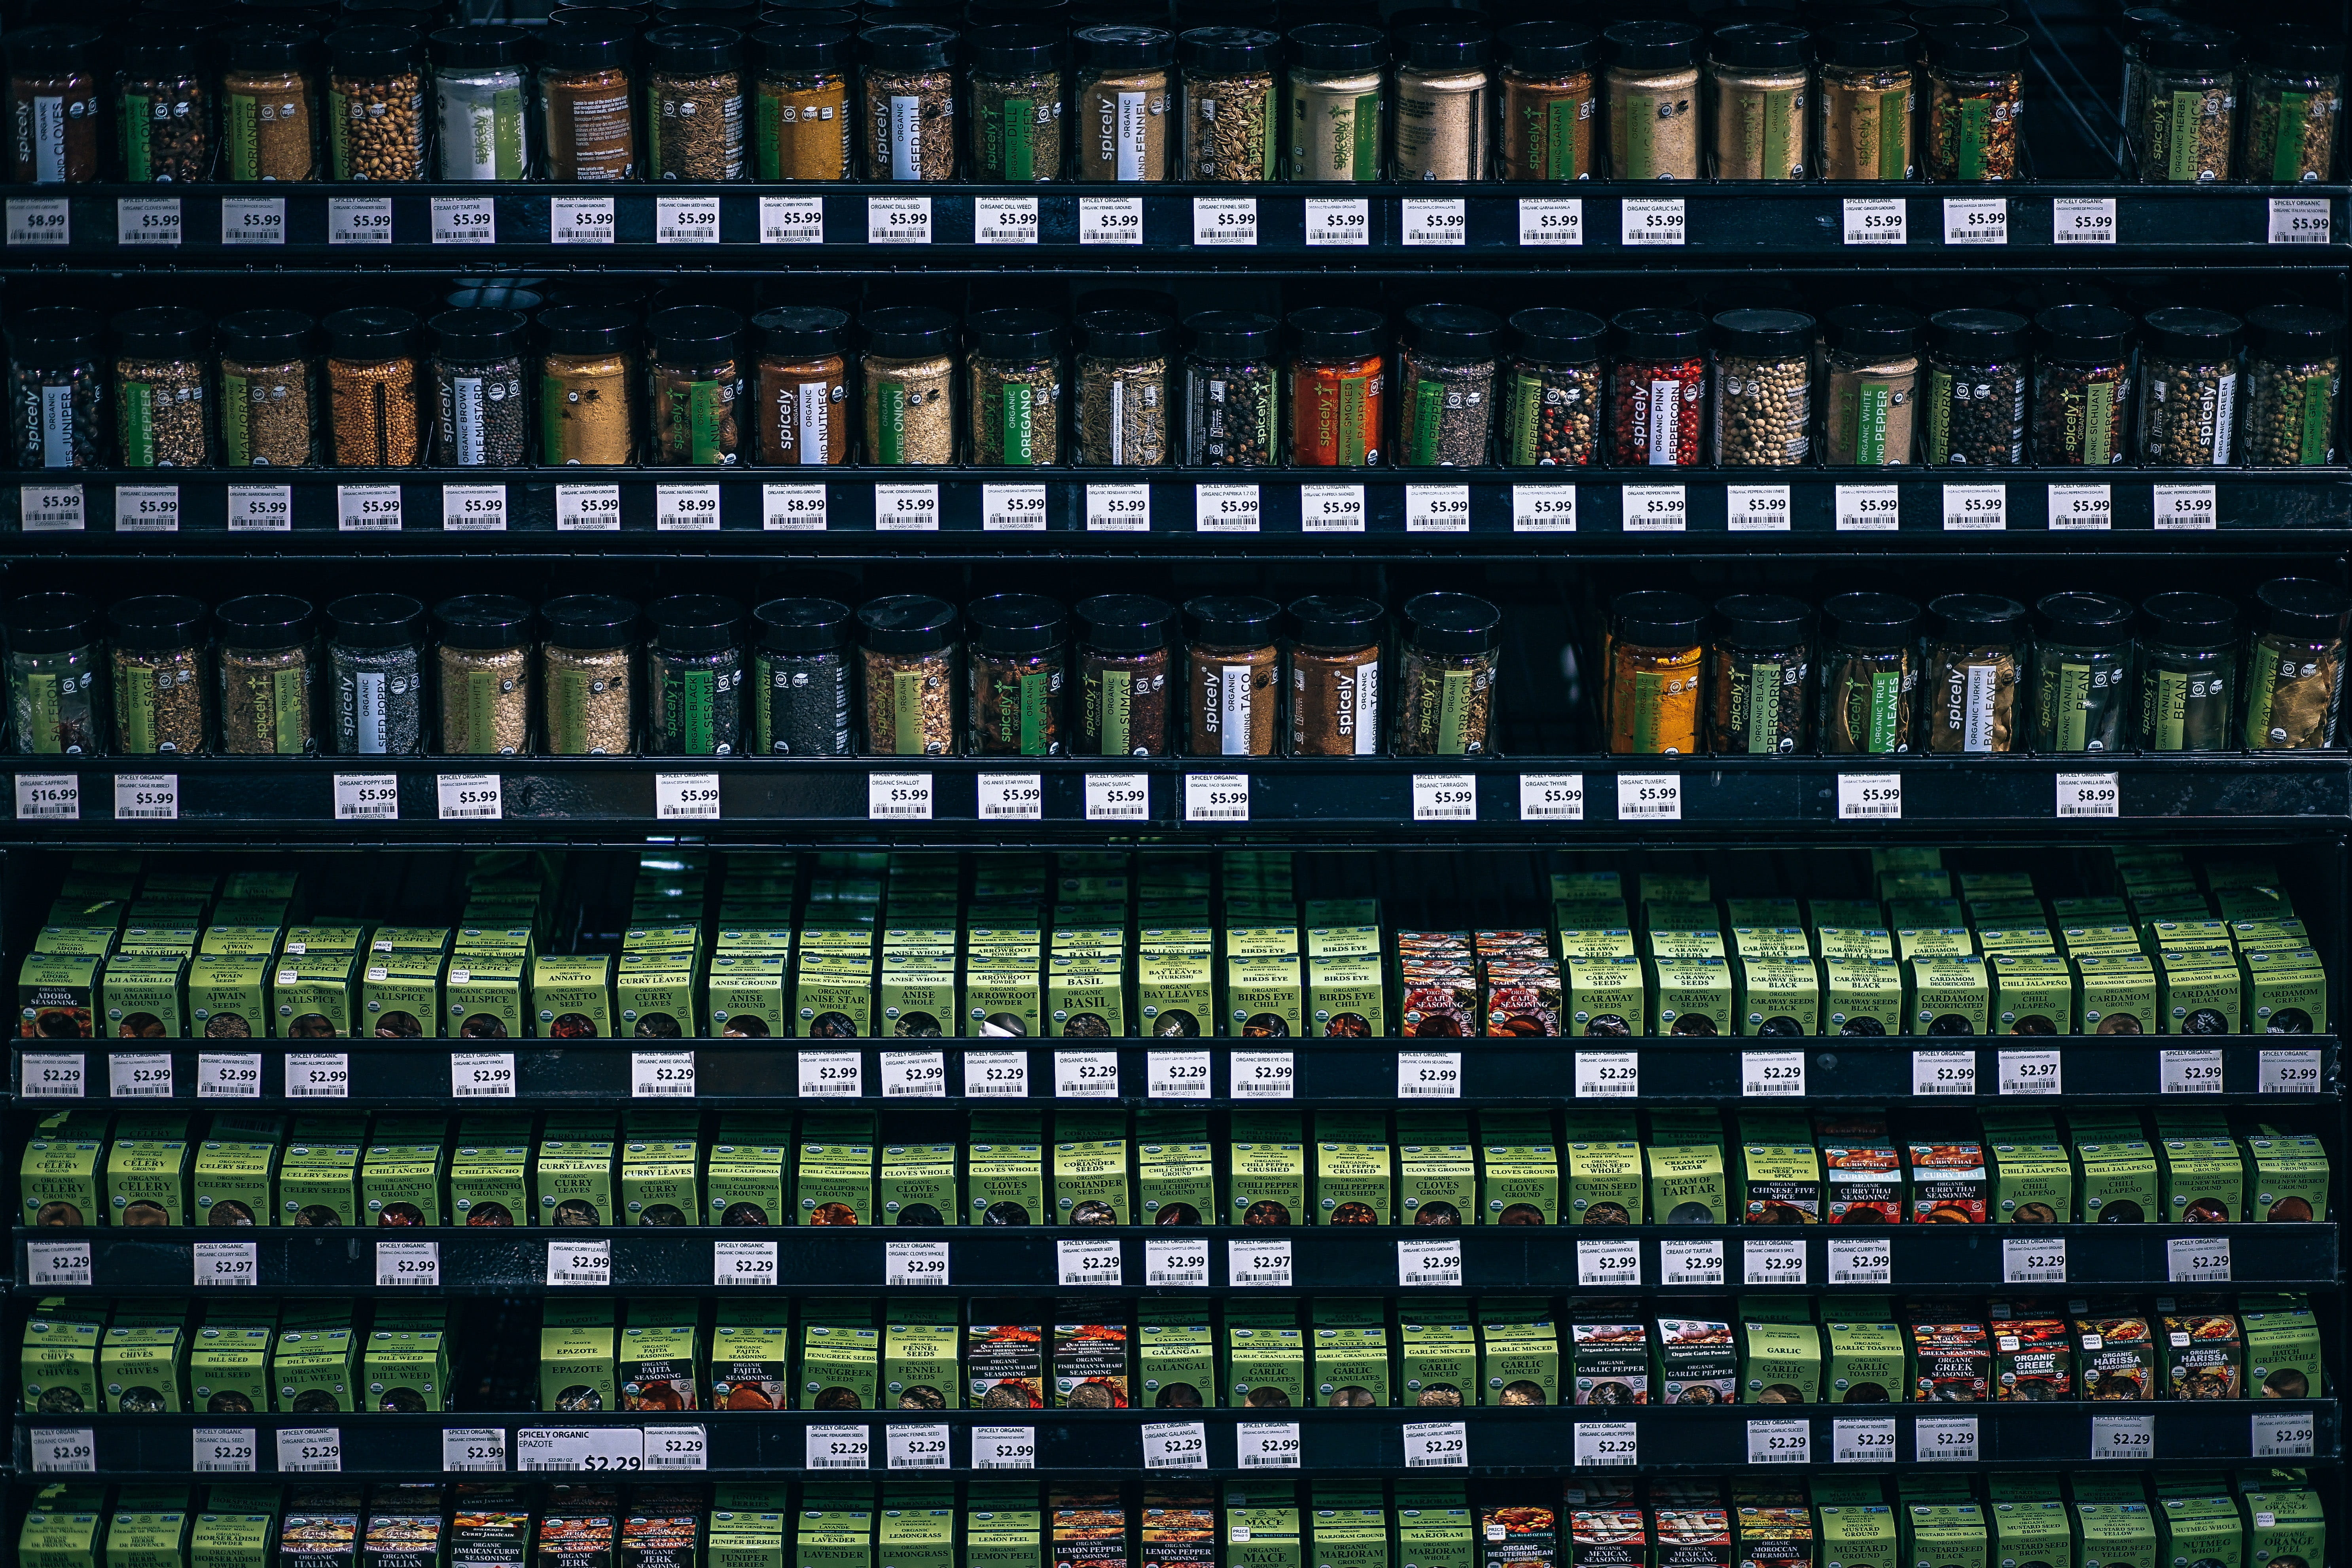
(162, 415)
(1335, 102)
(1760, 78)
(1868, 97)
(375, 385)
(1017, 669)
(1446, 696)
(1124, 400)
(2295, 666)
(375, 103)
(697, 380)
(801, 385)
(1869, 674)
(1017, 101)
(1230, 380)
(1652, 92)
(2294, 379)
(2082, 386)
(1976, 656)
(908, 652)
(911, 97)
(164, 107)
(2081, 670)
(481, 417)
(53, 105)
(589, 672)
(1552, 407)
(586, 96)
(587, 387)
(801, 679)
(1231, 131)
(1232, 661)
(1124, 101)
(482, 667)
(1760, 675)
(1550, 101)
(693, 110)
(1015, 399)
(56, 697)
(801, 112)
(694, 677)
(1335, 675)
(269, 99)
(268, 665)
(162, 684)
(909, 374)
(2189, 386)
(1441, 96)
(375, 666)
(269, 415)
(1873, 385)
(1125, 676)
(2186, 678)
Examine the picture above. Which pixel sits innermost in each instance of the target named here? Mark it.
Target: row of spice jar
(1870, 673)
(1011, 675)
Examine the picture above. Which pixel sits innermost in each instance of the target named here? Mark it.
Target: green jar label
(2312, 446)
(1428, 416)
(1894, 135)
(1016, 125)
(138, 155)
(1354, 433)
(1037, 714)
(244, 137)
(135, 708)
(1559, 140)
(137, 425)
(907, 712)
(338, 138)
(290, 696)
(46, 731)
(1366, 161)
(2074, 700)
(2259, 690)
(695, 725)
(2286, 153)
(1940, 416)
(1117, 699)
(481, 710)
(891, 423)
(2098, 422)
(1975, 132)
(567, 713)
(1872, 406)
(1759, 685)
(1885, 710)
(1454, 713)
(1019, 448)
(2181, 158)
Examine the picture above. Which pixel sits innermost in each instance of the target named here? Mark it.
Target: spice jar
(53, 105)
(1760, 675)
(1758, 79)
(694, 677)
(1868, 97)
(1763, 388)
(1335, 676)
(2081, 670)
(1231, 130)
(693, 110)
(696, 381)
(164, 108)
(483, 665)
(1335, 102)
(376, 659)
(1016, 671)
(1651, 91)
(1229, 389)
(2188, 411)
(1552, 409)
(478, 84)
(801, 113)
(58, 386)
(1976, 96)
(1976, 388)
(1441, 102)
(163, 700)
(2295, 102)
(910, 102)
(268, 390)
(1445, 700)
(375, 388)
(2187, 679)
(909, 652)
(1015, 71)
(1873, 385)
(801, 679)
(2188, 106)
(588, 667)
(1654, 656)
(267, 660)
(1976, 651)
(482, 420)
(1015, 396)
(1550, 101)
(1124, 103)
(1339, 386)
(56, 702)
(1123, 388)
(162, 361)
(2133, 25)
(1445, 370)
(1234, 669)
(269, 99)
(802, 383)
(1658, 399)
(375, 103)
(2295, 374)
(1123, 675)
(1869, 681)
(589, 129)
(2082, 385)
(587, 387)
(2294, 663)
(909, 366)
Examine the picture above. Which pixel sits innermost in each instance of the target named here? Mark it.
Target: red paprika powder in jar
(1338, 387)
(1658, 388)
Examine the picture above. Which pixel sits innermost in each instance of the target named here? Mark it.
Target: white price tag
(2190, 1072)
(791, 509)
(2287, 1072)
(1863, 1262)
(1869, 509)
(914, 1075)
(261, 509)
(1976, 220)
(923, 1448)
(464, 220)
(474, 509)
(920, 1265)
(2029, 1072)
(1091, 1262)
(1225, 509)
(832, 1075)
(1085, 1075)
(49, 797)
(1260, 1075)
(1551, 797)
(1261, 1263)
(50, 509)
(1118, 509)
(686, 795)
(1118, 797)
(1608, 1262)
(1341, 221)
(1331, 509)
(42, 221)
(367, 797)
(141, 1077)
(226, 1264)
(601, 1448)
(995, 1075)
(587, 509)
(1772, 1074)
(227, 1450)
(1780, 1442)
(1429, 1075)
(1004, 1448)
(1943, 1072)
(1869, 1442)
(1869, 797)
(64, 1450)
(2123, 1438)
(473, 1448)
(319, 1076)
(51, 1077)
(58, 1264)
(800, 220)
(1267, 1445)
(1005, 220)
(1445, 797)
(906, 509)
(2186, 509)
(1436, 1446)
(368, 509)
(1756, 509)
(1976, 508)
(1608, 1075)
(2197, 1259)
(2081, 509)
(1177, 1075)
(2299, 220)
(1774, 1262)
(581, 220)
(1649, 797)
(693, 220)
(2033, 1260)
(1874, 220)
(2090, 794)
(1208, 797)
(402, 1263)
(661, 1074)
(677, 1448)
(2283, 1435)
(686, 509)
(588, 1262)
(1552, 220)
(1436, 1262)
(1110, 220)
(899, 797)
(1543, 509)
(1011, 797)
(153, 509)
(1654, 509)
(359, 220)
(1175, 1446)
(1944, 1439)
(1690, 1262)
(1600, 1442)
(1012, 509)
(742, 1263)
(152, 798)
(1437, 509)
(1178, 1264)
(2083, 220)
(1651, 221)
(1442, 222)
(1225, 220)
(482, 1075)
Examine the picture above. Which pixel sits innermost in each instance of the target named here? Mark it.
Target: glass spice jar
(162, 361)
(1015, 71)
(1335, 102)
(2294, 106)
(1655, 658)
(2082, 672)
(1976, 651)
(1232, 660)
(588, 669)
(910, 102)
(1551, 411)
(801, 113)
(269, 417)
(1763, 388)
(588, 129)
(1550, 101)
(1124, 689)
(2186, 674)
(1868, 97)
(1873, 385)
(1017, 667)
(53, 100)
(1335, 675)
(1760, 675)
(162, 693)
(1229, 389)
(1124, 398)
(802, 383)
(1442, 102)
(2295, 665)
(375, 388)
(1869, 678)
(2188, 366)
(587, 387)
(694, 109)
(1658, 399)
(1445, 693)
(269, 101)
(2133, 24)
(1125, 99)
(1231, 132)
(1758, 79)
(1651, 91)
(268, 664)
(481, 418)
(1976, 388)
(1339, 386)
(1014, 397)
(2295, 377)
(376, 104)
(58, 386)
(909, 370)
(696, 381)
(801, 679)
(375, 665)
(163, 110)
(57, 701)
(1976, 98)
(2082, 386)
(2188, 106)
(694, 670)
(908, 651)
(482, 664)
(1445, 395)
(480, 97)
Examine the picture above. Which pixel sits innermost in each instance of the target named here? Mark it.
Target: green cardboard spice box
(2029, 1533)
(745, 1181)
(1090, 1184)
(1175, 1357)
(2290, 1527)
(1003, 1526)
(1949, 995)
(229, 1371)
(833, 996)
(59, 1364)
(919, 1358)
(1780, 1354)
(1351, 1354)
(489, 1184)
(1859, 1535)
(573, 1181)
(2032, 1184)
(917, 1537)
(2032, 993)
(1949, 1534)
(401, 1185)
(657, 1359)
(1355, 1180)
(659, 1183)
(1780, 1184)
(1175, 994)
(314, 995)
(1004, 1178)
(577, 1343)
(1261, 1526)
(1349, 997)
(1175, 1169)
(235, 1530)
(1862, 996)
(1440, 1361)
(1607, 997)
(749, 1350)
(2117, 1181)
(840, 1365)
(1437, 1171)
(1864, 1366)
(400, 997)
(1686, 1183)
(407, 1370)
(1519, 1175)
(1268, 1173)
(835, 1177)
(835, 1530)
(145, 997)
(2200, 992)
(147, 1179)
(58, 1177)
(1003, 998)
(1086, 996)
(63, 1536)
(2290, 1178)
(315, 1370)
(57, 997)
(1266, 1363)
(1264, 998)
(653, 992)
(2203, 1179)
(918, 993)
(233, 1181)
(1434, 1526)
(482, 996)
(1692, 997)
(2114, 1535)
(1779, 996)
(919, 1185)
(1518, 1354)
(2285, 991)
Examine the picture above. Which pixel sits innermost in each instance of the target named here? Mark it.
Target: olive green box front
(229, 1368)
(314, 995)
(144, 998)
(482, 997)
(577, 1352)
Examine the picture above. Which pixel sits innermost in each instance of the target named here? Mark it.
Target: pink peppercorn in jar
(1658, 388)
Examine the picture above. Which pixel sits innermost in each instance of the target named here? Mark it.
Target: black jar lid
(1976, 46)
(802, 625)
(258, 337)
(1535, 48)
(1973, 336)
(590, 621)
(373, 51)
(157, 623)
(375, 620)
(1229, 51)
(1014, 332)
(268, 46)
(1126, 335)
(909, 331)
(50, 623)
(1232, 620)
(796, 329)
(478, 333)
(908, 623)
(161, 52)
(2190, 48)
(2188, 619)
(265, 620)
(1654, 334)
(1649, 45)
(985, 13)
(1118, 45)
(62, 330)
(1871, 620)
(1337, 46)
(1977, 617)
(1463, 331)
(1234, 335)
(693, 47)
(370, 332)
(1015, 623)
(777, 15)
(2084, 334)
(1339, 331)
(694, 622)
(1927, 18)
(791, 46)
(1453, 622)
(587, 328)
(1759, 46)
(480, 45)
(1125, 623)
(55, 46)
(591, 40)
(693, 333)
(1014, 48)
(1873, 330)
(2298, 48)
(2295, 332)
(910, 46)
(1765, 334)
(1764, 620)
(1657, 617)
(403, 13)
(1859, 44)
(1554, 335)
(162, 332)
(2303, 606)
(485, 620)
(1441, 45)
(2190, 333)
(2077, 619)
(1337, 620)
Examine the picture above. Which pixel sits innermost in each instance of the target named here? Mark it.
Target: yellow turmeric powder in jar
(1654, 657)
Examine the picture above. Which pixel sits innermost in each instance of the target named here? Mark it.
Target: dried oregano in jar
(1017, 669)
(2082, 664)
(1760, 675)
(163, 687)
(483, 666)
(268, 666)
(1976, 652)
(908, 651)
(2295, 377)
(1446, 696)
(163, 416)
(1015, 72)
(1016, 395)
(1869, 681)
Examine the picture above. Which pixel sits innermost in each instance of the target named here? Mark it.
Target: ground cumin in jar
(1125, 103)
(482, 666)
(1654, 657)
(1652, 92)
(1975, 655)
(162, 362)
(801, 113)
(697, 380)
(1016, 103)
(162, 690)
(1338, 387)
(1335, 676)
(1867, 101)
(1234, 674)
(269, 100)
(1125, 676)
(587, 387)
(1550, 101)
(53, 105)
(586, 97)
(1445, 693)
(375, 388)
(801, 387)
(1760, 675)
(1017, 669)
(910, 102)
(1869, 677)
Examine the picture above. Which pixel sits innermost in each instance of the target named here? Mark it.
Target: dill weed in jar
(2188, 106)
(2082, 386)
(696, 382)
(694, 109)
(2189, 365)
(2082, 665)
(1873, 385)
(1552, 391)
(1015, 71)
(1659, 398)
(908, 652)
(163, 418)
(1763, 388)
(1335, 100)
(1870, 679)
(910, 102)
(1441, 102)
(694, 670)
(2295, 105)
(1124, 669)
(482, 664)
(376, 104)
(802, 387)
(1760, 675)
(375, 388)
(909, 370)
(482, 419)
(1651, 91)
(164, 107)
(1976, 651)
(801, 679)
(1758, 77)
(588, 670)
(163, 696)
(587, 387)
(53, 105)
(1445, 394)
(1234, 669)
(56, 385)
(269, 100)
(1015, 394)
(375, 663)
(1339, 386)
(1231, 132)
(2295, 665)
(587, 119)
(1017, 669)
(267, 666)
(1445, 695)
(1975, 97)
(56, 702)
(1867, 96)
(1549, 101)
(1229, 389)
(801, 114)
(1123, 103)
(2295, 374)
(1654, 657)
(268, 390)
(1123, 388)
(2186, 673)
(1335, 676)
(1976, 389)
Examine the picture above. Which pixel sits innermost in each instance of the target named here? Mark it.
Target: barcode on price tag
(686, 220)
(464, 220)
(1772, 1074)
(2287, 1072)
(1437, 509)
(580, 1262)
(906, 509)
(579, 220)
(920, 1265)
(1225, 220)
(1118, 509)
(1085, 1075)
(367, 797)
(1110, 220)
(64, 1450)
(1175, 1446)
(2083, 220)
(1182, 1263)
(2081, 507)
(319, 1076)
(1869, 797)
(473, 1448)
(1976, 220)
(836, 1449)
(1550, 220)
(2299, 220)
(51, 1077)
(1551, 797)
(1429, 1075)
(313, 1449)
(1870, 1442)
(1445, 797)
(1608, 1075)
(155, 509)
(1864, 1262)
(1344, 221)
(734, 1263)
(1440, 222)
(1011, 797)
(2188, 508)
(1260, 1075)
(468, 797)
(1690, 1262)
(1543, 509)
(897, 220)
(1331, 509)
(914, 1075)
(794, 220)
(2190, 1072)
(1089, 1262)
(1869, 509)
(995, 1075)
(1005, 220)
(1225, 509)
(1012, 509)
(404, 1263)
(1943, 1072)
(1436, 1263)
(899, 797)
(226, 1263)
(1436, 1444)
(368, 509)
(1651, 222)
(2283, 1435)
(587, 509)
(46, 221)
(579, 1448)
(1774, 1262)
(482, 1075)
(57, 1264)
(1117, 797)
(153, 797)
(2029, 1072)
(686, 795)
(1976, 508)
(2090, 794)
(1267, 1445)
(1608, 1263)
(661, 1074)
(1261, 1263)
(1875, 220)
(49, 509)
(1946, 1439)
(2197, 1259)
(2033, 1260)
(2123, 1436)
(221, 1075)
(832, 1075)
(916, 1448)
(1649, 797)
(228, 1450)
(791, 509)
(1177, 1075)
(1780, 1442)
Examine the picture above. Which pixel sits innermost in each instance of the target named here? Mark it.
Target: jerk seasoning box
(1947, 1182)
(1609, 1363)
(1004, 1364)
(2200, 1355)
(1433, 1528)
(1089, 1530)
(1090, 1362)
(1863, 1169)
(1699, 1361)
(750, 1351)
(1950, 1357)
(2032, 1355)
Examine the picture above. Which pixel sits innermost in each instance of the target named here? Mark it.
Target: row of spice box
(1329, 386)
(1262, 1167)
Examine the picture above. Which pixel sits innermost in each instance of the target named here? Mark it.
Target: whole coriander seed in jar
(1441, 96)
(2189, 370)
(1869, 674)
(1656, 655)
(162, 681)
(164, 104)
(1873, 385)
(1339, 386)
(694, 677)
(1231, 131)
(1014, 398)
(1551, 412)
(375, 665)
(802, 387)
(2295, 666)
(270, 100)
(1335, 675)
(1977, 363)
(2082, 386)
(908, 651)
(1125, 103)
(268, 390)
(1658, 400)
(481, 419)
(1125, 675)
(162, 362)
(910, 102)
(1017, 101)
(57, 698)
(1233, 668)
(697, 380)
(268, 664)
(1763, 388)
(801, 113)
(1760, 675)
(1230, 375)
(587, 387)
(1124, 388)
(910, 371)
(588, 669)
(586, 96)
(375, 385)
(1868, 96)
(1977, 647)
(694, 109)
(1550, 101)
(2294, 106)
(376, 104)
(2187, 113)
(1758, 78)
(1976, 98)
(2082, 673)
(1652, 92)
(1445, 392)
(2295, 378)
(1446, 696)
(1017, 669)
(53, 105)
(482, 666)
(2186, 673)
(1335, 102)
(481, 89)
(801, 679)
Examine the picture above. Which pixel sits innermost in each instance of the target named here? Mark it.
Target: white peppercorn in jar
(268, 667)
(694, 677)
(2295, 666)
(1015, 71)
(1014, 398)
(2294, 106)
(1760, 84)
(2294, 379)
(1976, 654)
(589, 672)
(57, 694)
(163, 416)
(1551, 391)
(801, 679)
(1125, 103)
(482, 667)
(270, 390)
(694, 109)
(2185, 674)
(480, 89)
(1445, 395)
(1231, 132)
(2188, 108)
(1442, 100)
(482, 420)
(1651, 91)
(1763, 388)
(376, 104)
(2082, 672)
(1868, 97)
(1445, 690)
(1124, 398)
(57, 386)
(697, 380)
(2189, 386)
(908, 654)
(1872, 395)
(1230, 380)
(163, 687)
(909, 91)
(1335, 102)
(375, 663)
(910, 375)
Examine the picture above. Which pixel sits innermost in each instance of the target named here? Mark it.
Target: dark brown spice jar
(1976, 651)
(53, 106)
(802, 387)
(1017, 669)
(1123, 675)
(1233, 668)
(1335, 676)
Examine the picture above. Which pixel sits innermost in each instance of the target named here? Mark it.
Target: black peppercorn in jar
(270, 390)
(482, 666)
(56, 384)
(53, 105)
(801, 679)
(1445, 690)
(2082, 386)
(164, 108)
(1975, 101)
(376, 667)
(157, 644)
(2082, 668)
(1763, 388)
(1017, 667)
(268, 670)
(1229, 389)
(1870, 676)
(57, 698)
(1445, 391)
(1976, 389)
(2294, 385)
(161, 364)
(1125, 675)
(1551, 390)
(2189, 387)
(1015, 400)
(2295, 665)
(697, 380)
(2186, 673)
(1232, 674)
(482, 419)
(694, 677)
(1760, 675)
(1975, 653)
(589, 672)
(909, 652)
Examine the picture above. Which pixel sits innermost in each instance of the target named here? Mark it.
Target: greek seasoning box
(2202, 1356)
(1351, 1354)
(315, 1370)
(1175, 1171)
(1781, 1353)
(1857, 1535)
(1440, 1361)
(1779, 994)
(1175, 1356)
(840, 1365)
(1607, 996)
(2115, 1352)
(1949, 1360)
(229, 1371)
(2033, 1183)
(2290, 1529)
(58, 1173)
(1268, 1178)
(1090, 1185)
(1865, 1355)
(1265, 1362)
(749, 1349)
(2029, 1533)
(1610, 1363)
(835, 1182)
(2032, 1356)
(1004, 1172)
(576, 1358)
(407, 1370)
(1947, 1182)
(1520, 1181)
(58, 1363)
(2114, 1534)
(1005, 1364)
(482, 995)
(1354, 1172)
(1518, 1354)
